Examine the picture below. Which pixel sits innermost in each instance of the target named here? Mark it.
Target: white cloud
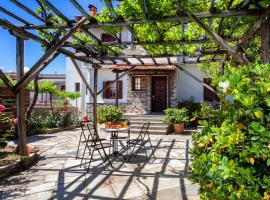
(26, 69)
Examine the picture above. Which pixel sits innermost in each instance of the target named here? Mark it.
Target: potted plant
(176, 118)
(109, 114)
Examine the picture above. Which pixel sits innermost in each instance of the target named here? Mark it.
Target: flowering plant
(232, 154)
(7, 125)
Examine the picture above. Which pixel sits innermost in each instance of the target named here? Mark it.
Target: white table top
(116, 129)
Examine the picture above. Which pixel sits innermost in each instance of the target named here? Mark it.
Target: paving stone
(104, 192)
(57, 175)
(40, 188)
(38, 195)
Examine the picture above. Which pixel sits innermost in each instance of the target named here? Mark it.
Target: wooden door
(159, 93)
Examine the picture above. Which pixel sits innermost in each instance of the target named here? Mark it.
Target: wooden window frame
(77, 87)
(109, 38)
(208, 95)
(141, 88)
(107, 94)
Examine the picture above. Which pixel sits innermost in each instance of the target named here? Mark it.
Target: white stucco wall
(73, 77)
(108, 75)
(188, 87)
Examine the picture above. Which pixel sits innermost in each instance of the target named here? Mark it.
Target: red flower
(2, 108)
(15, 121)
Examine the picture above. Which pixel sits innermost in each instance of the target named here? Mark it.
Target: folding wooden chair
(95, 143)
(141, 141)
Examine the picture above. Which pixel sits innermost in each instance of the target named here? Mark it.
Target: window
(63, 87)
(209, 95)
(105, 37)
(110, 92)
(77, 87)
(139, 83)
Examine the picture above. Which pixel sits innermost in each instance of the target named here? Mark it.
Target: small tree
(232, 154)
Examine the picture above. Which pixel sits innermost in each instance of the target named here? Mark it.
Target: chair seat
(136, 141)
(97, 140)
(105, 145)
(118, 138)
(99, 146)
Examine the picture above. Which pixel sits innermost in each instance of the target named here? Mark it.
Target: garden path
(57, 174)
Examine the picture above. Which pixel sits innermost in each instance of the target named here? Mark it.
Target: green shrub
(109, 114)
(36, 124)
(190, 105)
(232, 154)
(7, 127)
(175, 116)
(206, 112)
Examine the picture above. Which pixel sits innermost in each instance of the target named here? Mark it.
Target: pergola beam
(166, 42)
(6, 81)
(82, 76)
(232, 52)
(56, 11)
(182, 18)
(14, 16)
(40, 63)
(18, 32)
(20, 99)
(265, 40)
(26, 9)
(118, 78)
(203, 53)
(196, 78)
(255, 27)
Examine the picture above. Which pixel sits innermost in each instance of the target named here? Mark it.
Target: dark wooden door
(159, 93)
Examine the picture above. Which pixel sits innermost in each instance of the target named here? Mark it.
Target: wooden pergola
(90, 54)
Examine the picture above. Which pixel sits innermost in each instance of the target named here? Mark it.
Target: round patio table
(115, 138)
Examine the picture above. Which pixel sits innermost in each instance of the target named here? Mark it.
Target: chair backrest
(92, 130)
(144, 130)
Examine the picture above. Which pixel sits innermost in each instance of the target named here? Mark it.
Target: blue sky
(33, 50)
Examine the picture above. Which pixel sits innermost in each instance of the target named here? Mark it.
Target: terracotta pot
(179, 128)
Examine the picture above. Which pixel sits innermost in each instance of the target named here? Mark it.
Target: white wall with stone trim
(187, 86)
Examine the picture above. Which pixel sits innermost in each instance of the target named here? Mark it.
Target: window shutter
(208, 94)
(120, 89)
(106, 92)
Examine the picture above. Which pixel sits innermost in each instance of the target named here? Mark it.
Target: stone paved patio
(57, 175)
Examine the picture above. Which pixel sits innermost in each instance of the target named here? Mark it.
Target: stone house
(144, 89)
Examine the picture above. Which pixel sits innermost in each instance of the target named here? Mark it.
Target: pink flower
(2, 108)
(15, 121)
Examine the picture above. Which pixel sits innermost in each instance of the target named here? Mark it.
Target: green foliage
(109, 114)
(232, 154)
(205, 112)
(48, 86)
(156, 9)
(2, 84)
(60, 118)
(36, 124)
(191, 107)
(64, 94)
(8, 126)
(175, 116)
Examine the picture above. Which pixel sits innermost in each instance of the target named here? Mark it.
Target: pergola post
(20, 98)
(117, 86)
(265, 40)
(96, 67)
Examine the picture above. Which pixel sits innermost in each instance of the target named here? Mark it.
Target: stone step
(137, 131)
(138, 126)
(157, 123)
(148, 117)
(145, 120)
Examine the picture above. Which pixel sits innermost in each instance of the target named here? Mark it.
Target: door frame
(168, 90)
